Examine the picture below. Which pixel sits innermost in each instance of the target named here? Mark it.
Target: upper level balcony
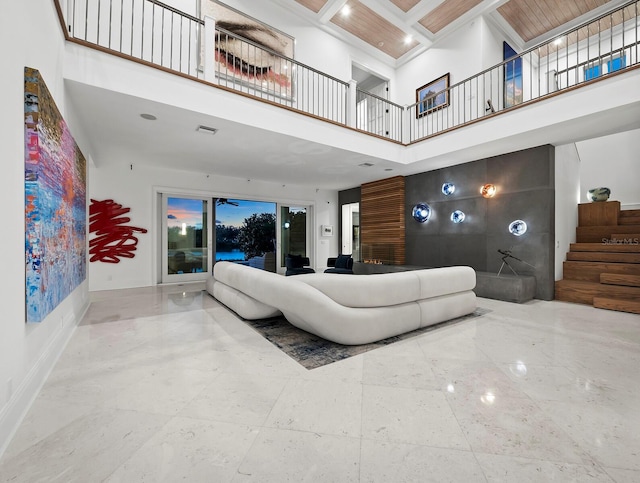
(579, 85)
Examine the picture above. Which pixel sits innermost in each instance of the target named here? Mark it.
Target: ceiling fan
(225, 201)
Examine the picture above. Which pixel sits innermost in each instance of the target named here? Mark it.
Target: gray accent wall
(526, 191)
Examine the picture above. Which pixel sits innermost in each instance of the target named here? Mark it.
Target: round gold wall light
(488, 190)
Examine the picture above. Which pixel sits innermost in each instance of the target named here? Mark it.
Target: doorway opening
(351, 230)
(372, 114)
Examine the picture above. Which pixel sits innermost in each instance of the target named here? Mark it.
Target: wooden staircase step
(618, 279)
(625, 238)
(590, 271)
(581, 292)
(598, 213)
(601, 233)
(604, 257)
(632, 306)
(603, 266)
(605, 247)
(629, 220)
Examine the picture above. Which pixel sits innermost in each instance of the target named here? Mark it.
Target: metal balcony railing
(145, 30)
(378, 116)
(156, 34)
(595, 49)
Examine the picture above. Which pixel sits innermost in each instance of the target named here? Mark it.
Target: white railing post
(208, 50)
(351, 103)
(67, 11)
(406, 125)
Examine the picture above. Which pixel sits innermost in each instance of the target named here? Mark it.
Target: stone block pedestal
(510, 288)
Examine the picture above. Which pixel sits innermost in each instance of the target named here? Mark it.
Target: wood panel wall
(382, 220)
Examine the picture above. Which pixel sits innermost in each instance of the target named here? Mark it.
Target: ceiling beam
(329, 10)
(467, 17)
(396, 16)
(421, 9)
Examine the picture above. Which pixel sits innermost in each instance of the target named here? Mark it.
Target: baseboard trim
(16, 409)
(630, 206)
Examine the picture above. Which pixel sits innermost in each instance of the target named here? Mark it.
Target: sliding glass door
(186, 235)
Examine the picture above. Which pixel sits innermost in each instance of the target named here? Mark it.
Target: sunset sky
(189, 211)
(234, 215)
(184, 210)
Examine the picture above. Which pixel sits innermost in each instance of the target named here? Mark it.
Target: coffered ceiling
(397, 30)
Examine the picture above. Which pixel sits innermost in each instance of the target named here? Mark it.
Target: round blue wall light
(458, 216)
(517, 227)
(421, 212)
(448, 188)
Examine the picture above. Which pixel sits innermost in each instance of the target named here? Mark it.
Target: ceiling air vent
(207, 129)
(366, 165)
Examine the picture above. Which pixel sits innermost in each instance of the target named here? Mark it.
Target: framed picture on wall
(327, 230)
(249, 52)
(432, 96)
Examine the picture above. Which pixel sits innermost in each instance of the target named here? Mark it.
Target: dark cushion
(339, 270)
(343, 261)
(296, 261)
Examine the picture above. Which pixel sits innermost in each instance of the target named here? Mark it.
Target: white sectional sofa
(350, 310)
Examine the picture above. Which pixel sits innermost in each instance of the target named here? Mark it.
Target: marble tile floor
(163, 384)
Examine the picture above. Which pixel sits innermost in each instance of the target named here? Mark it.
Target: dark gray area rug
(312, 351)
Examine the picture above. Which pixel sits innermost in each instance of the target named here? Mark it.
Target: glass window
(293, 231)
(186, 235)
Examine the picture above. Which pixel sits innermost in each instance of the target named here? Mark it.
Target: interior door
(186, 235)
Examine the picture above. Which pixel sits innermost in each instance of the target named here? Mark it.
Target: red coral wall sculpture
(114, 239)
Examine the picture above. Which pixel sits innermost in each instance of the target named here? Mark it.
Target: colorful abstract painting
(55, 203)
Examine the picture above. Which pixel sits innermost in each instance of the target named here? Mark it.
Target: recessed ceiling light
(346, 11)
(408, 39)
(207, 129)
(148, 117)
(380, 44)
(557, 41)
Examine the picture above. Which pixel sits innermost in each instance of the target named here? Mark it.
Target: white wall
(612, 161)
(567, 181)
(30, 35)
(135, 188)
(466, 52)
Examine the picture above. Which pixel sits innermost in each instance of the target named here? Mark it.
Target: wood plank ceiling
(315, 5)
(386, 25)
(446, 13)
(405, 5)
(375, 30)
(601, 25)
(532, 19)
